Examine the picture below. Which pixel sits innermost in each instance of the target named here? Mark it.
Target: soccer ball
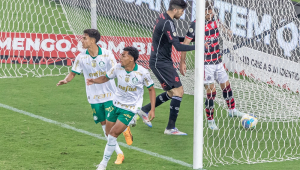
(249, 121)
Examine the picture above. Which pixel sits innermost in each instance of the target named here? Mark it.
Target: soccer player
(213, 69)
(95, 62)
(161, 64)
(128, 97)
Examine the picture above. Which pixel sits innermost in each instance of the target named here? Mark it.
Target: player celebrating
(95, 62)
(128, 97)
(213, 69)
(164, 36)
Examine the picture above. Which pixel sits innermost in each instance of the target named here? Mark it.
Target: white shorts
(215, 72)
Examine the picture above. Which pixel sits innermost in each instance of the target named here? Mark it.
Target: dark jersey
(212, 54)
(164, 36)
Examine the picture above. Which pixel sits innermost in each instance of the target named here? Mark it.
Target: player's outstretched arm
(68, 78)
(98, 80)
(152, 95)
(170, 32)
(182, 66)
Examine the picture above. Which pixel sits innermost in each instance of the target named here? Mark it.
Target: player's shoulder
(142, 69)
(82, 54)
(105, 51)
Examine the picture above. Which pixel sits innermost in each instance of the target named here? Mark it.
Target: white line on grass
(95, 135)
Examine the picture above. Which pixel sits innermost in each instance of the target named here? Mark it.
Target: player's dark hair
(93, 33)
(134, 52)
(178, 4)
(209, 4)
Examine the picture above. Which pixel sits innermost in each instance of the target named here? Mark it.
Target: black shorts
(167, 76)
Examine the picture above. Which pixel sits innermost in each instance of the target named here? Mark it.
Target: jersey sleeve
(112, 60)
(77, 68)
(170, 32)
(191, 32)
(111, 74)
(147, 81)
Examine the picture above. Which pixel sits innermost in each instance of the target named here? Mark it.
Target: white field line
(96, 135)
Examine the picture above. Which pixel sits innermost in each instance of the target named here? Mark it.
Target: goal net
(42, 38)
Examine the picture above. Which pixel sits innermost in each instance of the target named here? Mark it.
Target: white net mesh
(34, 39)
(264, 75)
(264, 72)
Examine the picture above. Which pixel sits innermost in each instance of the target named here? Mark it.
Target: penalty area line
(95, 135)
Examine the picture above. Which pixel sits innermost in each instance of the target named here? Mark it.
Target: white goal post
(42, 38)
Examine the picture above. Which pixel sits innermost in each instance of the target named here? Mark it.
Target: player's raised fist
(89, 81)
(61, 82)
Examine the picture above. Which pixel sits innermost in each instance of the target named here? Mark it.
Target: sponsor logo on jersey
(135, 80)
(127, 88)
(101, 96)
(97, 74)
(101, 64)
(127, 78)
(94, 63)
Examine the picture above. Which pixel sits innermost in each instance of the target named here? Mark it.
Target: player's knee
(114, 134)
(103, 123)
(170, 93)
(178, 91)
(211, 96)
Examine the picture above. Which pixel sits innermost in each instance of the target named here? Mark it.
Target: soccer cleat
(145, 118)
(101, 167)
(133, 122)
(235, 113)
(120, 159)
(212, 125)
(128, 136)
(174, 131)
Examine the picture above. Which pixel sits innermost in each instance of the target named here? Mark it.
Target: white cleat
(235, 113)
(212, 125)
(145, 118)
(174, 131)
(101, 167)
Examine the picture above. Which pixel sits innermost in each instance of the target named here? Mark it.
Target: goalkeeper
(95, 62)
(213, 67)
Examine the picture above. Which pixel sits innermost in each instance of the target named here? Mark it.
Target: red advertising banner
(34, 48)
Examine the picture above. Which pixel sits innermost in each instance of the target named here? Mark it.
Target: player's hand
(61, 82)
(229, 34)
(207, 44)
(89, 81)
(151, 115)
(182, 68)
